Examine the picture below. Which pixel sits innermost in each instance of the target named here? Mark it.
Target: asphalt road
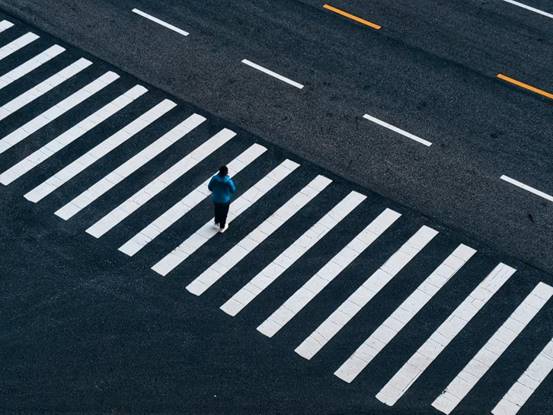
(430, 71)
(86, 331)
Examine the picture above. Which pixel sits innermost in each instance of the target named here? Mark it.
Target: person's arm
(210, 185)
(232, 186)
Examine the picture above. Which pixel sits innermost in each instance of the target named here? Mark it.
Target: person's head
(223, 171)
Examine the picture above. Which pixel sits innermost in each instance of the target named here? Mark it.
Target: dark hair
(223, 171)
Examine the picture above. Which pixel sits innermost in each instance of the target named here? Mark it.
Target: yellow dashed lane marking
(525, 86)
(352, 17)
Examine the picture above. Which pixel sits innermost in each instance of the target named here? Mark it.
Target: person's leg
(224, 214)
(217, 208)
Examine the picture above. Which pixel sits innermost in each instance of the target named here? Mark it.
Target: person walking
(222, 188)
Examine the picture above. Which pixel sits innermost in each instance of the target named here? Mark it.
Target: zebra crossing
(162, 147)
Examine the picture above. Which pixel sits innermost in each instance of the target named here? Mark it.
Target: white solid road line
(99, 151)
(271, 73)
(56, 111)
(448, 330)
(66, 138)
(239, 206)
(532, 9)
(293, 253)
(251, 241)
(5, 25)
(43, 87)
(17, 44)
(160, 22)
(130, 166)
(493, 349)
(528, 382)
(398, 130)
(384, 334)
(30, 65)
(527, 188)
(308, 291)
(365, 293)
(186, 204)
(164, 180)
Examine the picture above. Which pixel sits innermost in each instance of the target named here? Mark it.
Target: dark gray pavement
(430, 70)
(86, 329)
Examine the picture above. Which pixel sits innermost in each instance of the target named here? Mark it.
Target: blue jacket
(222, 189)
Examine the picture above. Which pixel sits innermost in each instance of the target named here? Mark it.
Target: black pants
(221, 212)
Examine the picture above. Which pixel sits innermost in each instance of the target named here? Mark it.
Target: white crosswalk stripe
(231, 258)
(161, 182)
(17, 44)
(75, 132)
(5, 25)
(99, 151)
(326, 274)
(56, 111)
(186, 204)
(30, 65)
(292, 254)
(42, 88)
(527, 384)
(129, 167)
(448, 330)
(493, 349)
(239, 206)
(384, 334)
(365, 293)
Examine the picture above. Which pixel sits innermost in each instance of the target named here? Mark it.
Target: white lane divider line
(448, 330)
(365, 293)
(163, 181)
(56, 111)
(43, 87)
(5, 25)
(17, 44)
(30, 65)
(527, 384)
(493, 349)
(186, 204)
(160, 22)
(239, 206)
(48, 150)
(532, 9)
(251, 241)
(271, 73)
(384, 334)
(527, 188)
(292, 254)
(130, 166)
(306, 293)
(92, 156)
(398, 130)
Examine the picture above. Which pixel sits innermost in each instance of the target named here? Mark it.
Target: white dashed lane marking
(530, 8)
(527, 188)
(271, 73)
(160, 22)
(397, 130)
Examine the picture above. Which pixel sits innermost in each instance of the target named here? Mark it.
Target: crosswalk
(298, 236)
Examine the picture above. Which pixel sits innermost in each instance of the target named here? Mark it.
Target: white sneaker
(222, 230)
